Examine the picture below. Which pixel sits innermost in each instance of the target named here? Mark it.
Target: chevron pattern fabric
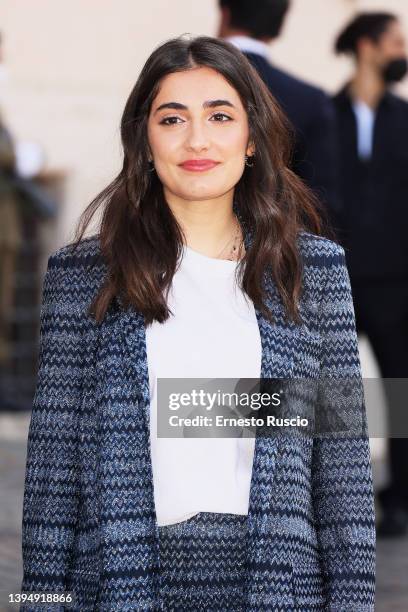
(202, 563)
(88, 520)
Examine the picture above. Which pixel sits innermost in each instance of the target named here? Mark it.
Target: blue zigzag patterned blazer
(89, 520)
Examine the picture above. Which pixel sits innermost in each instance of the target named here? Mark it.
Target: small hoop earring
(246, 161)
(151, 166)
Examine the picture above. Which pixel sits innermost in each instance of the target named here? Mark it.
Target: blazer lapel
(277, 362)
(134, 334)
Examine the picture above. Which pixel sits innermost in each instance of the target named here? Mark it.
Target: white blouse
(213, 333)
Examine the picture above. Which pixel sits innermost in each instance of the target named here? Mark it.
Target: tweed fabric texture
(202, 563)
(88, 515)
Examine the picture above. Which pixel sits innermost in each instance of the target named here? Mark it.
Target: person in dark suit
(308, 108)
(373, 131)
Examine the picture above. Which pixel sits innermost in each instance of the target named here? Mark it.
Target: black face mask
(395, 70)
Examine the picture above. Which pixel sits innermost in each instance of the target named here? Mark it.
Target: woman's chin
(201, 192)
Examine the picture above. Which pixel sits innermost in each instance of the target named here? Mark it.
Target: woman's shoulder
(319, 250)
(78, 270)
(325, 270)
(72, 255)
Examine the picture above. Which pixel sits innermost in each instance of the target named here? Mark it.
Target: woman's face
(198, 115)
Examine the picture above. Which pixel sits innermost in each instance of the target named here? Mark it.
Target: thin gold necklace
(237, 242)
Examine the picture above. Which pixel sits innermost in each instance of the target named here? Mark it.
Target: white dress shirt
(365, 117)
(250, 45)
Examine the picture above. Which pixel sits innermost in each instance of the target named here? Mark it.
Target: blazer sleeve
(50, 495)
(342, 483)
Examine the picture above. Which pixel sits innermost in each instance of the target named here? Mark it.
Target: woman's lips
(199, 165)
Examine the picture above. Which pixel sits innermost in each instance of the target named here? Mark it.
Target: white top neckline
(210, 264)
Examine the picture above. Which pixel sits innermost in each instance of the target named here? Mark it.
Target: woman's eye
(221, 115)
(170, 119)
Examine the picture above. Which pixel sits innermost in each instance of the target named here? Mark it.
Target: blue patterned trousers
(202, 563)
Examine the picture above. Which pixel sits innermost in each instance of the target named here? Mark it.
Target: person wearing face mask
(373, 136)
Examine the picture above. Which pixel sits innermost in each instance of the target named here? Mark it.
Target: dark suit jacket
(312, 115)
(374, 218)
(89, 522)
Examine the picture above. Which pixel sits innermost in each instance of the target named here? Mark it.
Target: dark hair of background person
(139, 237)
(262, 19)
(367, 25)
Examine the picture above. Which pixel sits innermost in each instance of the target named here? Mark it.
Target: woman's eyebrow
(206, 104)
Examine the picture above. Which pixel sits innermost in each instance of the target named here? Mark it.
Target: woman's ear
(250, 150)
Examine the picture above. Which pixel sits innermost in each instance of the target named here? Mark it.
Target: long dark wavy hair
(140, 239)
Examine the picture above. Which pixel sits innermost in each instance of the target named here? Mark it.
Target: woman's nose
(197, 136)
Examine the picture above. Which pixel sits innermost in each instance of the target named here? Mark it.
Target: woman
(205, 198)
